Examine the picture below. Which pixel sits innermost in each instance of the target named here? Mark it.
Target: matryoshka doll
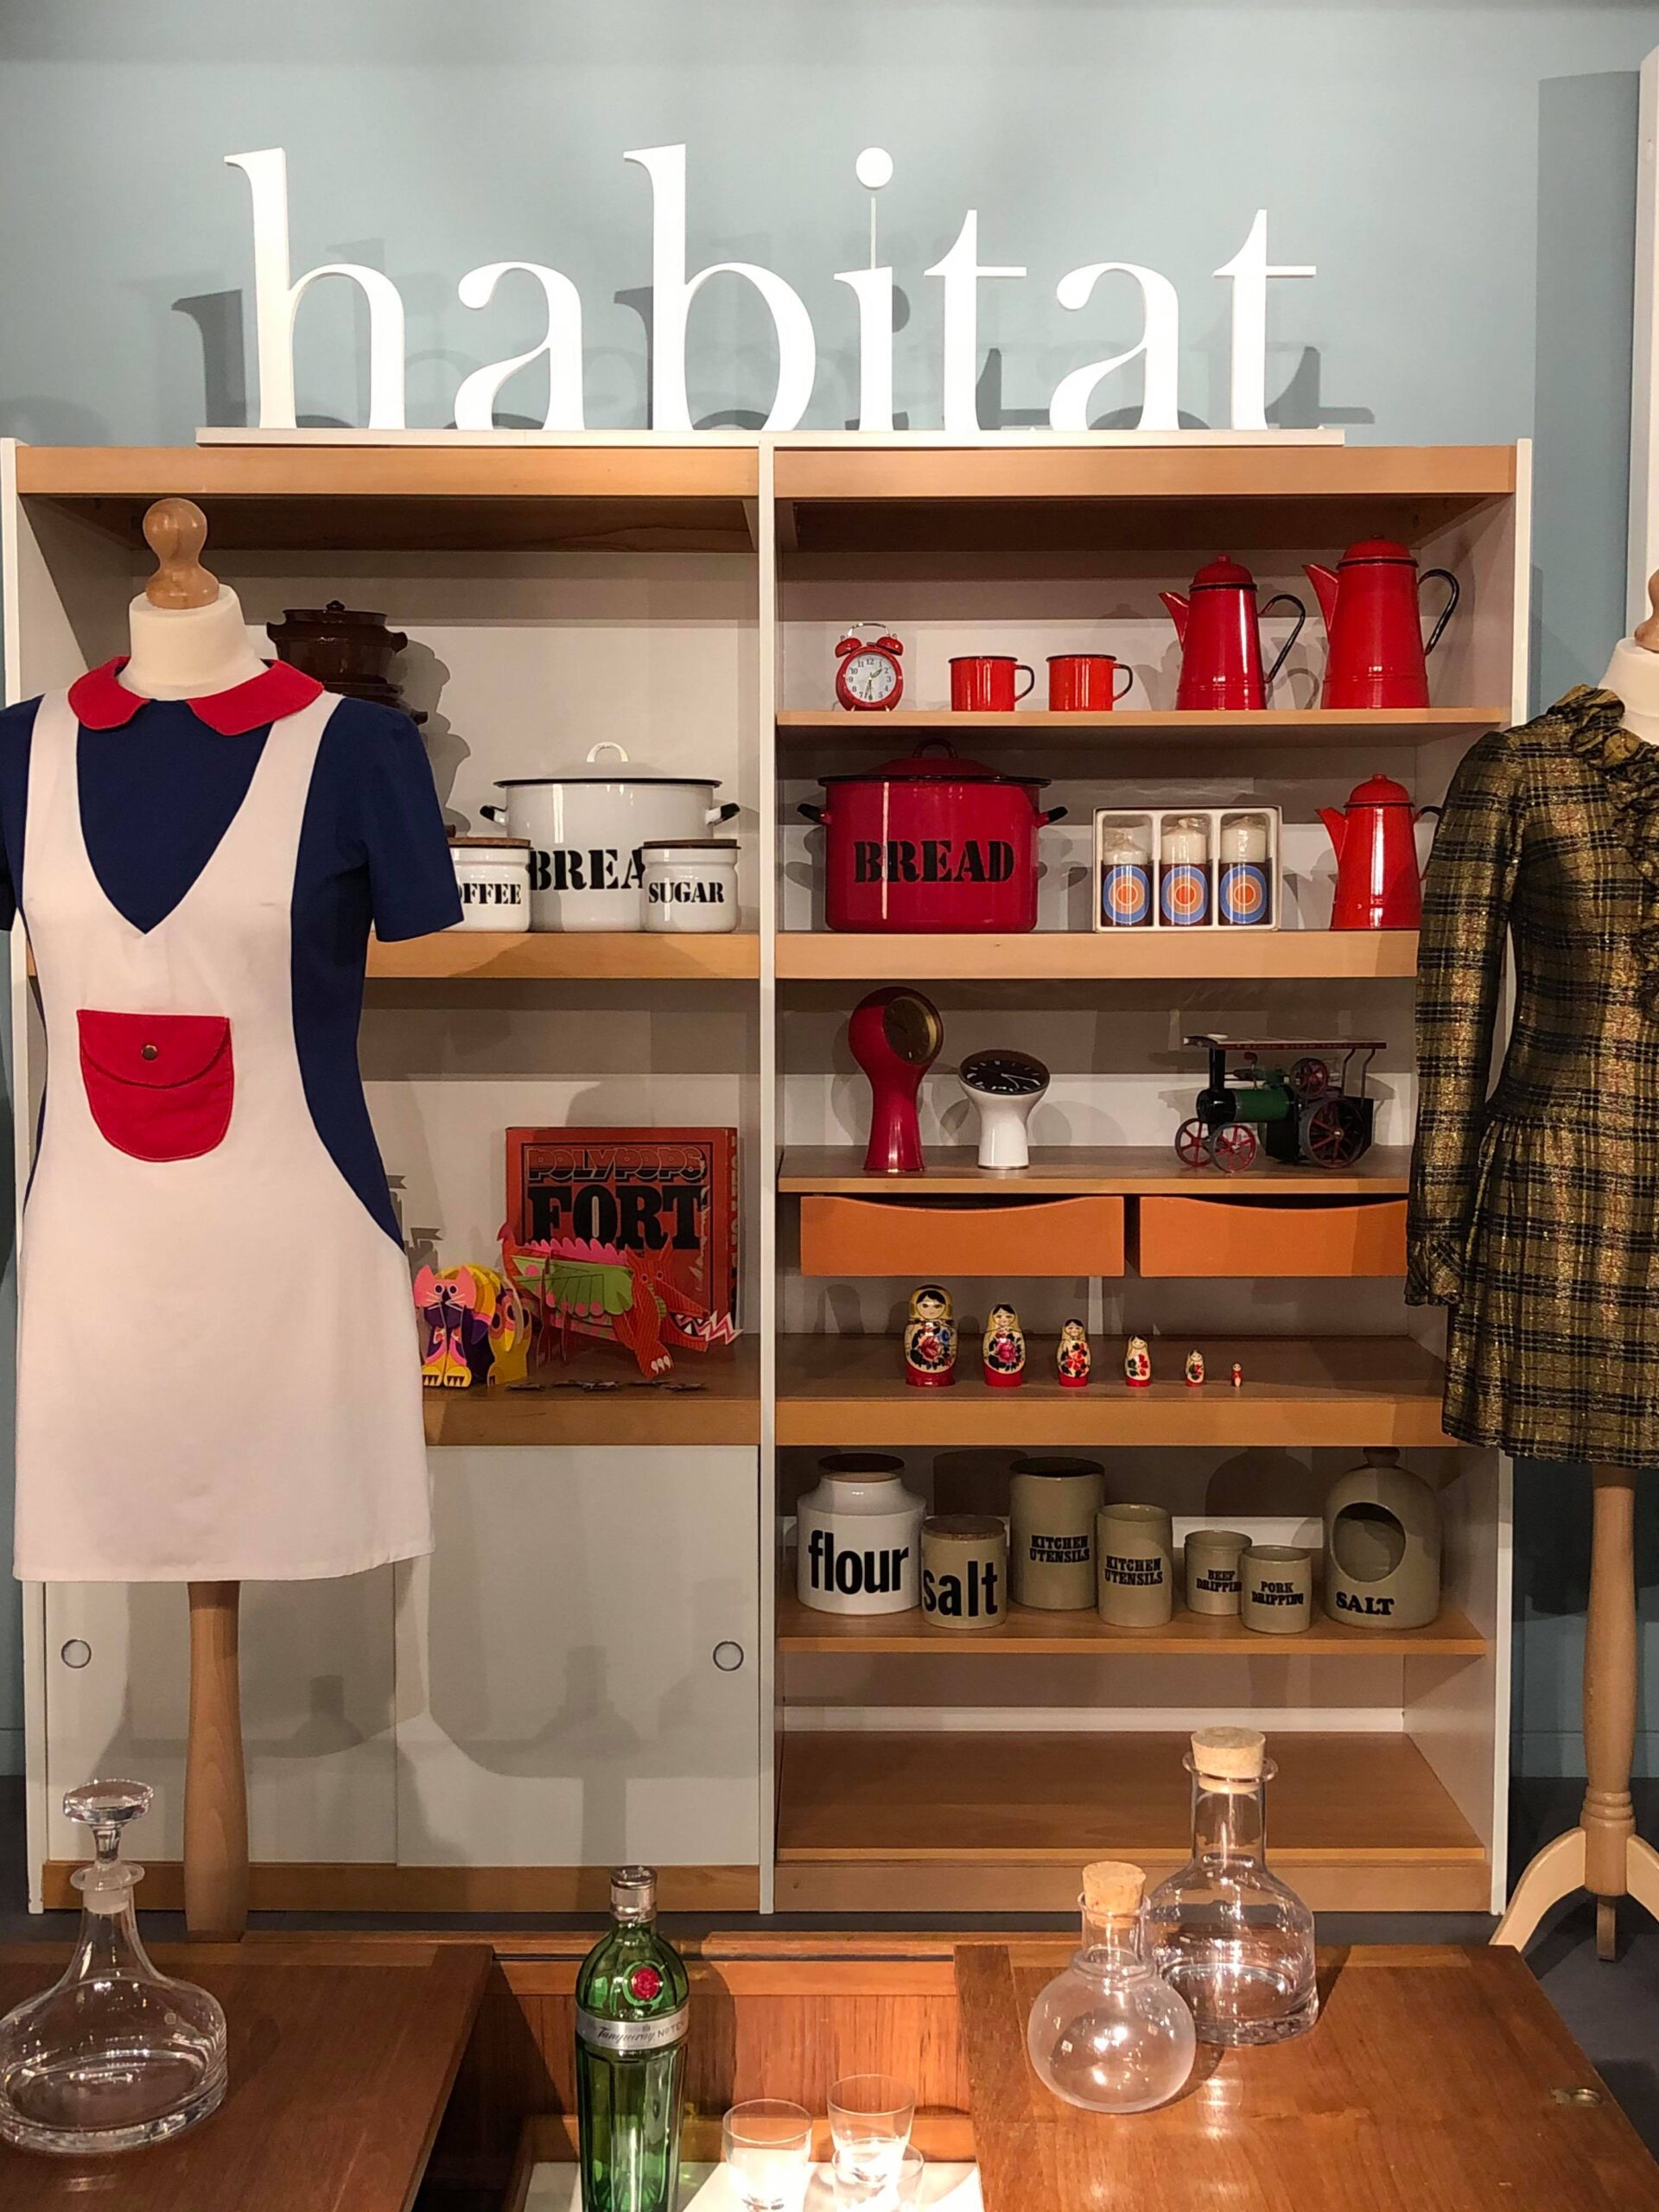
(1194, 1369)
(929, 1338)
(1073, 1361)
(1137, 1364)
(1004, 1349)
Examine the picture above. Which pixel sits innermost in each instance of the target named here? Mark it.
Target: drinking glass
(870, 2118)
(901, 2193)
(768, 2151)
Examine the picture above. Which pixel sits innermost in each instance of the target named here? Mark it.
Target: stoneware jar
(1135, 1566)
(859, 1537)
(1382, 1547)
(691, 888)
(1052, 1504)
(492, 876)
(1277, 1598)
(964, 1571)
(1213, 1559)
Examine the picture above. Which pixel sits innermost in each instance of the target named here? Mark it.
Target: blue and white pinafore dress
(217, 1363)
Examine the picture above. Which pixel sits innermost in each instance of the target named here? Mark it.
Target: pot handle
(1054, 814)
(1289, 599)
(1447, 611)
(812, 813)
(608, 744)
(493, 813)
(727, 813)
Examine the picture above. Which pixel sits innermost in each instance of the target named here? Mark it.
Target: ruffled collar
(1593, 722)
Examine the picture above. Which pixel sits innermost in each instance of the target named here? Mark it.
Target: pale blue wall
(1462, 176)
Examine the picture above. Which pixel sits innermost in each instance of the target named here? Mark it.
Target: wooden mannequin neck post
(189, 638)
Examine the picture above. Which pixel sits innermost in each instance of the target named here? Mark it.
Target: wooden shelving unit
(576, 955)
(1035, 1635)
(1107, 956)
(1063, 1171)
(963, 1821)
(837, 1392)
(1309, 726)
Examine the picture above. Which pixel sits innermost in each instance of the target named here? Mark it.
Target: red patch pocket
(160, 1085)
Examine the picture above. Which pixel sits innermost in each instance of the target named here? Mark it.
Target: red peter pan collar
(100, 701)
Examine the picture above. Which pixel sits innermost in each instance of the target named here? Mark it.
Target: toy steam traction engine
(1312, 1110)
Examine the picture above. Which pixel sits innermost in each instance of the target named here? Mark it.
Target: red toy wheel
(1309, 1080)
(1333, 1135)
(1234, 1148)
(1193, 1144)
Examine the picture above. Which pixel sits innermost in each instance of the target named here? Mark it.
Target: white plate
(946, 2187)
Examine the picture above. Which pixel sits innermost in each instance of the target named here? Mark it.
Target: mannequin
(189, 641)
(1603, 1853)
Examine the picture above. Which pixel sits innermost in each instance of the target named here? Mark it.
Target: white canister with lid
(692, 887)
(858, 1537)
(492, 876)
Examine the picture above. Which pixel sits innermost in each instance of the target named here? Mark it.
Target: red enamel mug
(983, 683)
(1086, 683)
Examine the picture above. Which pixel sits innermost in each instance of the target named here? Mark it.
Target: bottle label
(631, 2038)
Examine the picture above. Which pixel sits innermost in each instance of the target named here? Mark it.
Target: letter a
(1159, 344)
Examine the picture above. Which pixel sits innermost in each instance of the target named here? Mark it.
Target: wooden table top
(1435, 2078)
(341, 2065)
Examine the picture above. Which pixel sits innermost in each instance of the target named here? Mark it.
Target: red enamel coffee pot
(1221, 642)
(1377, 655)
(1379, 885)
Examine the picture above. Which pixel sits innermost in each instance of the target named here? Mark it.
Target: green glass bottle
(631, 2010)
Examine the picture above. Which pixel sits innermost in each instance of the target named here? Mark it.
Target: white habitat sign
(278, 292)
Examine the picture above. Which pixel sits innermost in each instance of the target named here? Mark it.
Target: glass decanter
(115, 2054)
(1227, 1933)
(1110, 2033)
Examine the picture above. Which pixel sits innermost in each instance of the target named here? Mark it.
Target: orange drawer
(924, 1238)
(1270, 1237)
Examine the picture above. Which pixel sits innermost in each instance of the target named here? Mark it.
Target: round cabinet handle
(76, 1652)
(728, 1657)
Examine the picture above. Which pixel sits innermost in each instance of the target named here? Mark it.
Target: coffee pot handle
(1447, 611)
(1289, 599)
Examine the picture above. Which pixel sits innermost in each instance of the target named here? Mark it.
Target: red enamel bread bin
(930, 845)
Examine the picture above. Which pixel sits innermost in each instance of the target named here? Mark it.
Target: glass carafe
(115, 2054)
(1109, 2034)
(1228, 1934)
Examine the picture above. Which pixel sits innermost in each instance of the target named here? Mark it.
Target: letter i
(873, 289)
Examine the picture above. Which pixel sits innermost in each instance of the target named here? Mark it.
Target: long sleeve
(1466, 899)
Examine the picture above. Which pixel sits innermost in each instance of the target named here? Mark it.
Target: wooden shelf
(413, 497)
(568, 956)
(1302, 1391)
(1056, 1171)
(727, 1410)
(1097, 499)
(1084, 1636)
(1104, 956)
(1311, 726)
(961, 1820)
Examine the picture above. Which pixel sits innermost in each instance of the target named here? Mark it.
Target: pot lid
(1376, 549)
(1224, 575)
(695, 846)
(947, 766)
(607, 762)
(494, 844)
(1379, 790)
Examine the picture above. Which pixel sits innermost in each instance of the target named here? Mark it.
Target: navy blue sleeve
(17, 736)
(391, 821)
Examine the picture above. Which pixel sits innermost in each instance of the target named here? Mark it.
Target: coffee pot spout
(1336, 825)
(1179, 610)
(1323, 581)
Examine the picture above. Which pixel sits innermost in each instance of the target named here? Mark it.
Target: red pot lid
(1376, 549)
(1379, 790)
(1223, 575)
(946, 766)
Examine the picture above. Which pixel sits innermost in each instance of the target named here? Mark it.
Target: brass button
(149, 1051)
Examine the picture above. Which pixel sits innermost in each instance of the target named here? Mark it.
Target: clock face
(912, 1027)
(869, 677)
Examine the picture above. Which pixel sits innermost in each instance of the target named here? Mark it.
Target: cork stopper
(1229, 1754)
(963, 1528)
(176, 530)
(1112, 1888)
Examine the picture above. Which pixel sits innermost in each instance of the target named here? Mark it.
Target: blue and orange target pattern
(1243, 899)
(1125, 896)
(1184, 895)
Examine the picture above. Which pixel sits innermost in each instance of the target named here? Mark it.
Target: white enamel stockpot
(586, 828)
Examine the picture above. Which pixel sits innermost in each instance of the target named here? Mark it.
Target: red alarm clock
(868, 677)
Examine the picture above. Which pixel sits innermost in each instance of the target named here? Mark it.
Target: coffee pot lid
(1379, 790)
(1369, 549)
(1223, 575)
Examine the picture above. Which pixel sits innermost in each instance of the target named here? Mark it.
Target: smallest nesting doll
(1137, 1364)
(929, 1338)
(1004, 1349)
(1073, 1361)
